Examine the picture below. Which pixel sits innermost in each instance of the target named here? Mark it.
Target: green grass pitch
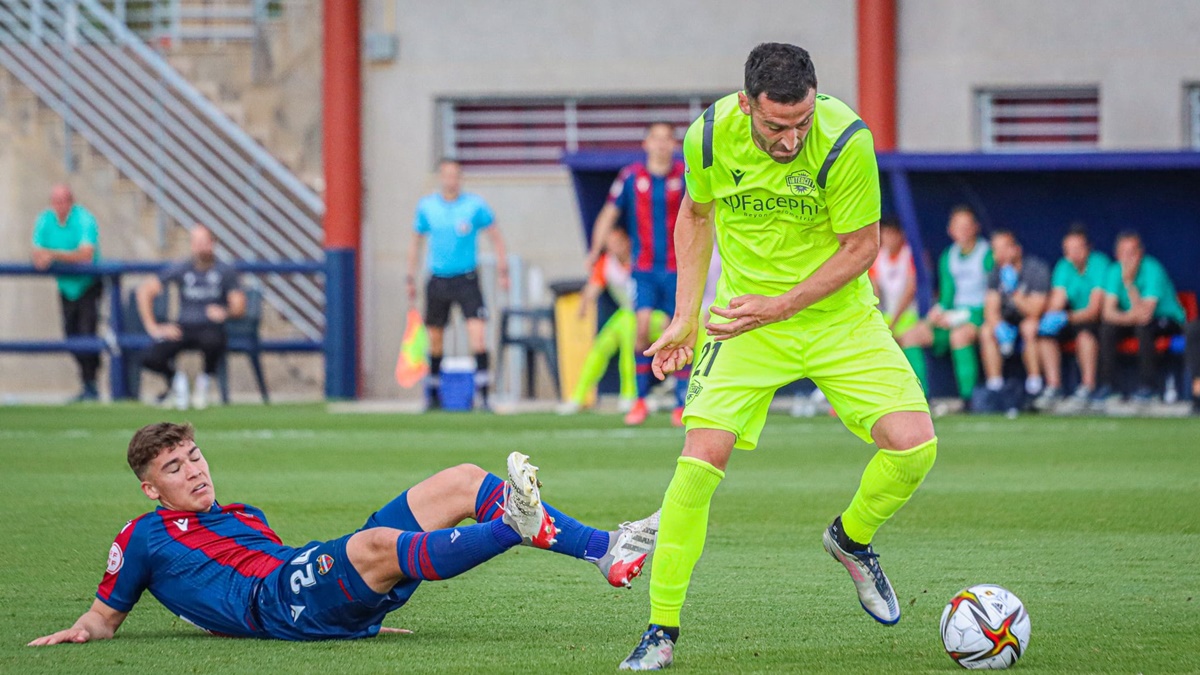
(1094, 523)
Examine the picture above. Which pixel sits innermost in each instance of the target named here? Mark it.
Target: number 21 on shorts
(709, 351)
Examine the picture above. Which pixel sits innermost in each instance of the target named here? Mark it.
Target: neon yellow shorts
(908, 319)
(852, 357)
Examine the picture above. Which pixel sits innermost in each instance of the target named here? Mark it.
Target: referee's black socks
(483, 378)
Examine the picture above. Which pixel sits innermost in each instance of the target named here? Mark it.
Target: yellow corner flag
(413, 362)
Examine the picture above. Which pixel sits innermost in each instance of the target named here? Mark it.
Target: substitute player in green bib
(786, 180)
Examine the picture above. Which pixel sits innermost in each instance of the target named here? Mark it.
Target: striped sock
(442, 554)
(574, 539)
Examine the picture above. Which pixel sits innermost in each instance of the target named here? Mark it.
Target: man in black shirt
(208, 296)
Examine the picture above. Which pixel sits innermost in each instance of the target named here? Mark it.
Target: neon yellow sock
(681, 532)
(604, 345)
(627, 365)
(891, 477)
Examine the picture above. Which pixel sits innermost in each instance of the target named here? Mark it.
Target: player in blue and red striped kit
(223, 569)
(646, 196)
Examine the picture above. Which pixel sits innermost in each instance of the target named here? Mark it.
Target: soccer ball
(985, 626)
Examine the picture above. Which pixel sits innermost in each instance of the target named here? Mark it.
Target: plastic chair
(242, 334)
(131, 320)
(532, 340)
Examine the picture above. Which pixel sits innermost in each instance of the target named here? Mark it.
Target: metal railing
(114, 336)
(193, 20)
(192, 161)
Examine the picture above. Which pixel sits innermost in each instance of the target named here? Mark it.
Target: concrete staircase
(269, 87)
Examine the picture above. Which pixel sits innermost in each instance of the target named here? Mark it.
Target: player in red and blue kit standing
(223, 569)
(647, 196)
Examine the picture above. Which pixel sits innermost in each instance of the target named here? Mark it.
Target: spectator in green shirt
(1073, 313)
(1139, 300)
(67, 233)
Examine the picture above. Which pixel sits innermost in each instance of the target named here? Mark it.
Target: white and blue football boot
(655, 651)
(875, 592)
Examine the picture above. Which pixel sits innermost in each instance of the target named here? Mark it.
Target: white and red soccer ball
(985, 627)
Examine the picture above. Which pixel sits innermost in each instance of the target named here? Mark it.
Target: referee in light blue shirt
(450, 219)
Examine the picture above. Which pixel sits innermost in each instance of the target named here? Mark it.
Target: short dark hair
(963, 208)
(153, 439)
(1005, 232)
(1078, 229)
(890, 223)
(1129, 234)
(783, 72)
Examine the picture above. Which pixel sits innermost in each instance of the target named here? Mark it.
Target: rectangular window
(1033, 120)
(1193, 112)
(534, 133)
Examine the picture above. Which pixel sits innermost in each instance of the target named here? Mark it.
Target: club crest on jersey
(801, 183)
(324, 564)
(116, 559)
(694, 389)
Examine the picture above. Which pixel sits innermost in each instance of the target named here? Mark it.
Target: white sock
(995, 383)
(1033, 384)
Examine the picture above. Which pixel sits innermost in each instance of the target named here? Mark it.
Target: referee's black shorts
(443, 292)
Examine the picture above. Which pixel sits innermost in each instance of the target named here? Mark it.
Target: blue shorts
(318, 595)
(655, 290)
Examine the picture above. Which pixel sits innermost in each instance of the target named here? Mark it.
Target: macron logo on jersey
(737, 174)
(182, 524)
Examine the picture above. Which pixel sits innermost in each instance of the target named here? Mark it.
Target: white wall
(1139, 54)
(528, 47)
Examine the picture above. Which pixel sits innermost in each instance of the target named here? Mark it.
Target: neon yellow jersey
(777, 223)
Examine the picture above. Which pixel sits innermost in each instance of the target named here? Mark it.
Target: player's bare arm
(856, 251)
(42, 257)
(991, 307)
(501, 253)
(693, 252)
(906, 300)
(605, 222)
(414, 258)
(1091, 313)
(100, 622)
(1030, 304)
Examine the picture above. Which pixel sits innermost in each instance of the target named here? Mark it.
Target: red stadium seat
(1128, 346)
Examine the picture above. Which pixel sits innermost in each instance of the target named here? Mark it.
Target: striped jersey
(206, 568)
(649, 205)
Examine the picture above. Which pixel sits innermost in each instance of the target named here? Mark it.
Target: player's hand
(216, 313)
(747, 312)
(502, 277)
(937, 316)
(166, 331)
(42, 258)
(384, 630)
(1128, 272)
(673, 349)
(75, 635)
(1143, 313)
(411, 283)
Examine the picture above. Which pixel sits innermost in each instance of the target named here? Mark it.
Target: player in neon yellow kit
(786, 179)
